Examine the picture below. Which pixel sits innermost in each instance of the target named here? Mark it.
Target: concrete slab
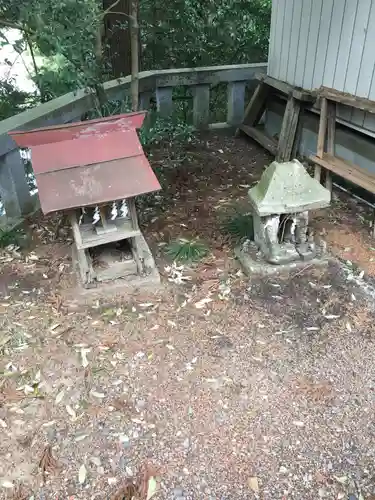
(253, 263)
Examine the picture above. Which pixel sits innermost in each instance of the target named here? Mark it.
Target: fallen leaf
(59, 397)
(82, 474)
(253, 484)
(298, 423)
(85, 362)
(99, 395)
(152, 486)
(201, 303)
(71, 412)
(7, 484)
(341, 479)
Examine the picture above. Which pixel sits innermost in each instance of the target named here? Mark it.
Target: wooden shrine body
(90, 165)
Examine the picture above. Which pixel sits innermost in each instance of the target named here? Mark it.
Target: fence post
(201, 106)
(236, 102)
(14, 190)
(164, 101)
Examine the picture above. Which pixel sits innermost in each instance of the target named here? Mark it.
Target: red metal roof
(88, 163)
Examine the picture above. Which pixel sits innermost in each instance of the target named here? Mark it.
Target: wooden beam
(261, 138)
(331, 134)
(256, 106)
(347, 170)
(347, 99)
(288, 129)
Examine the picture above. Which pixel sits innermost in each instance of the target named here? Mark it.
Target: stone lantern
(280, 203)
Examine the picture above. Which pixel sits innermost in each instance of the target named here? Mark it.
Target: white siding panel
(312, 43)
(285, 42)
(333, 43)
(321, 53)
(371, 94)
(302, 44)
(326, 42)
(294, 41)
(368, 57)
(345, 43)
(278, 36)
(357, 46)
(272, 61)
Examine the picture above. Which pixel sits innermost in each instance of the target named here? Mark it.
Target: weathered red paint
(88, 163)
(85, 151)
(68, 131)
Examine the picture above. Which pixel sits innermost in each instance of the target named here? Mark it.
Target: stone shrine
(280, 204)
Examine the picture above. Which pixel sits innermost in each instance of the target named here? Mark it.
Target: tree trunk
(134, 54)
(117, 38)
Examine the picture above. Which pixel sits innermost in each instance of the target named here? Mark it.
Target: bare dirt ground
(229, 388)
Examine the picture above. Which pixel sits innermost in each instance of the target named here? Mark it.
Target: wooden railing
(14, 192)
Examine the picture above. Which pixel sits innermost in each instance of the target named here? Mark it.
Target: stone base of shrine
(253, 263)
(118, 287)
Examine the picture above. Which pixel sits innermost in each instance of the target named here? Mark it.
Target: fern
(184, 250)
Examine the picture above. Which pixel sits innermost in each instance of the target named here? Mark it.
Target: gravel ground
(228, 388)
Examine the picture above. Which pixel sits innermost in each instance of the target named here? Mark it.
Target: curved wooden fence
(14, 192)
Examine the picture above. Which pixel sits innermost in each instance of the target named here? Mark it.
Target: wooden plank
(75, 227)
(348, 99)
(347, 170)
(133, 212)
(288, 130)
(331, 127)
(322, 127)
(261, 138)
(286, 88)
(201, 106)
(256, 106)
(322, 47)
(331, 134)
(90, 239)
(235, 102)
(357, 47)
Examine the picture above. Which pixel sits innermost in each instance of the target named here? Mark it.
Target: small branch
(121, 14)
(109, 10)
(15, 26)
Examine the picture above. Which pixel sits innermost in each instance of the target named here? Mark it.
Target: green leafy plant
(158, 129)
(11, 236)
(184, 250)
(239, 226)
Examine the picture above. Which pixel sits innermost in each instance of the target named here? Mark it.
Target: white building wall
(326, 42)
